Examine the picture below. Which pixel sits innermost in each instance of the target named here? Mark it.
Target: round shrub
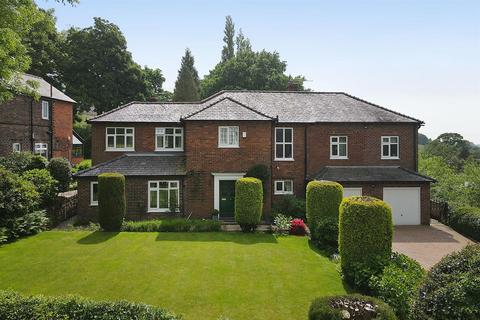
(17, 162)
(248, 203)
(111, 201)
(365, 238)
(355, 305)
(61, 171)
(323, 202)
(452, 288)
(44, 183)
(298, 227)
(37, 162)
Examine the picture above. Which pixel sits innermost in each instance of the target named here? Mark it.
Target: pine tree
(186, 86)
(243, 43)
(228, 50)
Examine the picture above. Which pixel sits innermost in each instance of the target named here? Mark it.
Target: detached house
(185, 157)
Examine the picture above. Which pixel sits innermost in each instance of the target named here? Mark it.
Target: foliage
(83, 165)
(323, 202)
(248, 203)
(326, 235)
(186, 86)
(228, 51)
(261, 172)
(357, 306)
(398, 284)
(423, 139)
(61, 171)
(466, 220)
(154, 80)
(298, 227)
(29, 224)
(452, 148)
(111, 201)
(452, 288)
(282, 223)
(17, 162)
(84, 130)
(291, 206)
(243, 43)
(45, 185)
(37, 162)
(365, 238)
(19, 307)
(172, 225)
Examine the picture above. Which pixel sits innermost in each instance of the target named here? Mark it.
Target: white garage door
(349, 192)
(405, 203)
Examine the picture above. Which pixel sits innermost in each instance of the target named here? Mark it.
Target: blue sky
(421, 58)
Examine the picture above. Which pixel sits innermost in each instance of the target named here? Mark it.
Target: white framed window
(94, 193)
(170, 139)
(283, 143)
(16, 147)
(338, 147)
(41, 149)
(163, 196)
(390, 147)
(283, 187)
(45, 110)
(120, 139)
(228, 137)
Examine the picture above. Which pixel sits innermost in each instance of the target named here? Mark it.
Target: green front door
(227, 198)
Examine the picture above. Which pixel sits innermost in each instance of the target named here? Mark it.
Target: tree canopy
(228, 50)
(452, 147)
(186, 86)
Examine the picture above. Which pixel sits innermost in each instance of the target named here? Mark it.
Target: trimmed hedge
(357, 306)
(323, 202)
(365, 238)
(14, 306)
(61, 171)
(248, 203)
(172, 225)
(111, 201)
(466, 220)
(452, 288)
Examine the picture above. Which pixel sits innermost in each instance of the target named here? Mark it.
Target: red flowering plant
(298, 227)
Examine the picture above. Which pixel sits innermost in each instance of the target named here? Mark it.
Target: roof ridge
(100, 165)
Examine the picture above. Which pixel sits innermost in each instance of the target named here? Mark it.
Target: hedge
(14, 306)
(357, 306)
(365, 238)
(466, 220)
(111, 201)
(248, 203)
(61, 171)
(452, 288)
(44, 183)
(323, 201)
(172, 225)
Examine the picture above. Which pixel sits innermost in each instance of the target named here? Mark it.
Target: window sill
(283, 193)
(160, 211)
(390, 158)
(338, 158)
(283, 159)
(118, 150)
(228, 147)
(168, 150)
(93, 204)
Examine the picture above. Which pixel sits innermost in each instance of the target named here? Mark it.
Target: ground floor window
(41, 149)
(283, 186)
(94, 193)
(77, 150)
(17, 147)
(163, 196)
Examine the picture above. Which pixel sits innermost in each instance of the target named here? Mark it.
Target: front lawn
(200, 275)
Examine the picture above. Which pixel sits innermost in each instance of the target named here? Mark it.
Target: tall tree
(153, 81)
(186, 86)
(243, 43)
(98, 70)
(228, 51)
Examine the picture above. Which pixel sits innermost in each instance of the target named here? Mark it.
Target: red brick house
(43, 127)
(190, 154)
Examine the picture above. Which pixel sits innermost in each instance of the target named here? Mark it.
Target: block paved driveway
(427, 244)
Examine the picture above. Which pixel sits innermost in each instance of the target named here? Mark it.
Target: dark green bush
(45, 185)
(248, 203)
(14, 306)
(357, 306)
(172, 225)
(398, 284)
(261, 172)
(37, 162)
(111, 201)
(452, 288)
(61, 171)
(17, 162)
(466, 220)
(26, 225)
(365, 238)
(323, 202)
(291, 206)
(326, 235)
(83, 165)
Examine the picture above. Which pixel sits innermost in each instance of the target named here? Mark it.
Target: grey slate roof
(140, 164)
(288, 106)
(370, 174)
(45, 89)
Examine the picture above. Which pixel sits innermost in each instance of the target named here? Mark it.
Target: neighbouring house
(77, 148)
(185, 157)
(43, 127)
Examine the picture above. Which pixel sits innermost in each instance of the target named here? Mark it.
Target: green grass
(199, 275)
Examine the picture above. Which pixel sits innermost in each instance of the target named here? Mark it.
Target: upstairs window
(228, 137)
(16, 147)
(94, 193)
(120, 139)
(163, 196)
(45, 110)
(283, 143)
(283, 187)
(338, 147)
(170, 139)
(41, 149)
(390, 147)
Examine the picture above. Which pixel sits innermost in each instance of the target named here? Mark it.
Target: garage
(352, 191)
(405, 203)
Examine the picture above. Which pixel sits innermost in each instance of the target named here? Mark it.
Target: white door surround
(352, 191)
(405, 203)
(216, 184)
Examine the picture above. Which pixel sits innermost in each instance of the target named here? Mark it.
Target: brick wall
(62, 127)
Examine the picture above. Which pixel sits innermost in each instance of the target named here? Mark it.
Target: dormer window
(168, 139)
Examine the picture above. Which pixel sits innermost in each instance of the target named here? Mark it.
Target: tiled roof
(287, 106)
(370, 174)
(140, 164)
(45, 89)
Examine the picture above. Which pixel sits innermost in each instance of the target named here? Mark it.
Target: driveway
(427, 244)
